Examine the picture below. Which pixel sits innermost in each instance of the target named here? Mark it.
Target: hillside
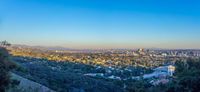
(8, 79)
(5, 67)
(28, 85)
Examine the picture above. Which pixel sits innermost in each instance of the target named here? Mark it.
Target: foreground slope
(29, 86)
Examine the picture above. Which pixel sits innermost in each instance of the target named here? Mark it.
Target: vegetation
(64, 76)
(186, 79)
(69, 76)
(6, 65)
(187, 76)
(4, 44)
(117, 59)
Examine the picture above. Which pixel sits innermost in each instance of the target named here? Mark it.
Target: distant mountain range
(72, 49)
(43, 47)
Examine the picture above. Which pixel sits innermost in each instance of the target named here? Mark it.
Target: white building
(167, 69)
(155, 74)
(114, 77)
(94, 74)
(162, 71)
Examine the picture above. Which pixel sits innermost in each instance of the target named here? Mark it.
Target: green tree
(5, 44)
(187, 76)
(5, 66)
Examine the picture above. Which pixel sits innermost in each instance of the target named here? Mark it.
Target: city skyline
(101, 23)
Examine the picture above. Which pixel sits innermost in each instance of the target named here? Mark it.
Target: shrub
(5, 66)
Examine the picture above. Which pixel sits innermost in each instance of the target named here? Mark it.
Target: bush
(5, 66)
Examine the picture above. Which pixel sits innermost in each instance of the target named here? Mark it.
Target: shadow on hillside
(63, 76)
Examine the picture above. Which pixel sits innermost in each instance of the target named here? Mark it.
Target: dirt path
(30, 86)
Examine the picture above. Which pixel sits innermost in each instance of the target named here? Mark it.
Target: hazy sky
(101, 23)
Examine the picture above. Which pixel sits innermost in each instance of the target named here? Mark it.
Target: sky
(102, 23)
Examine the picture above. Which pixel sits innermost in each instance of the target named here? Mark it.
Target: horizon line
(114, 48)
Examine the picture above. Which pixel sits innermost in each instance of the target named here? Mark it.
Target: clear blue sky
(101, 23)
